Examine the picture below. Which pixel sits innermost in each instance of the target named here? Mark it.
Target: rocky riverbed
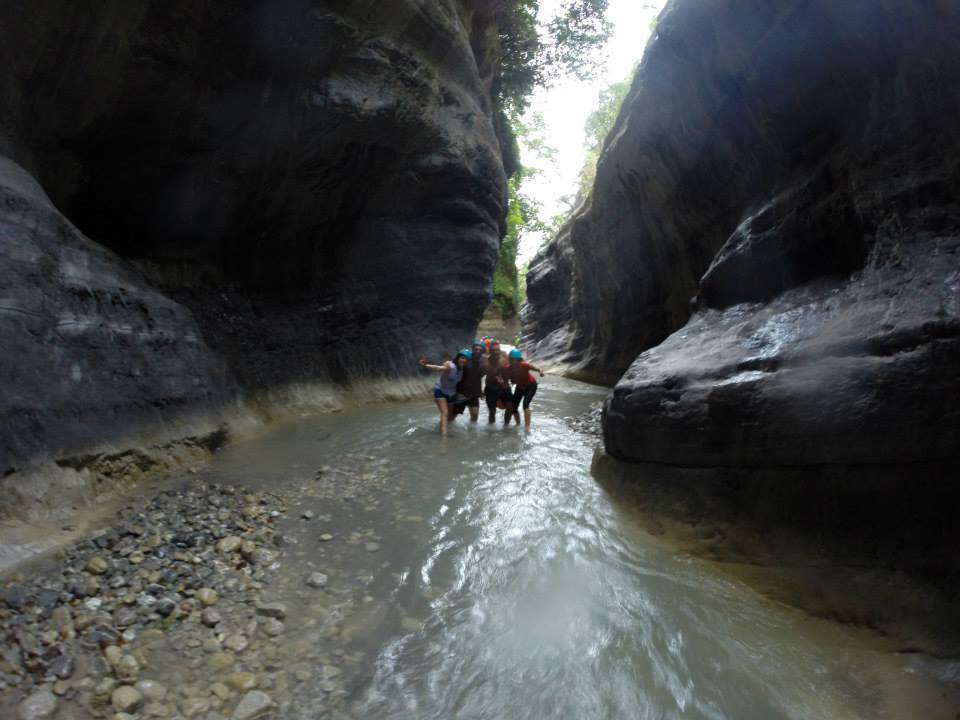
(589, 422)
(204, 601)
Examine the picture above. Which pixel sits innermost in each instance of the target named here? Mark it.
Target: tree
(577, 37)
(506, 282)
(533, 55)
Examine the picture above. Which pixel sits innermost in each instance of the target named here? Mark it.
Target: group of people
(483, 370)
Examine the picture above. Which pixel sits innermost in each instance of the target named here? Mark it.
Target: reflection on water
(507, 585)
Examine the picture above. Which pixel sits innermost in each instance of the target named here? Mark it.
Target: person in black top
(469, 387)
(497, 391)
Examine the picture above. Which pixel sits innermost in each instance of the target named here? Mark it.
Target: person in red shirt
(520, 373)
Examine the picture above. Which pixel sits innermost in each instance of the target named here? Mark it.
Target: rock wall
(769, 261)
(211, 202)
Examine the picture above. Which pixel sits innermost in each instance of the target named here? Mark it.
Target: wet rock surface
(866, 373)
(63, 291)
(164, 614)
(775, 215)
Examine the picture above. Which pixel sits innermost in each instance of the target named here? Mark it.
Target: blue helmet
(515, 354)
(466, 353)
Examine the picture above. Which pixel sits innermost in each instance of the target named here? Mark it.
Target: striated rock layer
(770, 261)
(204, 202)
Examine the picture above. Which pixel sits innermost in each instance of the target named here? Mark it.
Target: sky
(566, 105)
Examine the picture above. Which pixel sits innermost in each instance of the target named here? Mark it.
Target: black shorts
(465, 402)
(494, 394)
(525, 394)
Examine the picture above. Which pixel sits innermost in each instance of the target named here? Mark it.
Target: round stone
(229, 544)
(317, 580)
(237, 643)
(125, 617)
(127, 667)
(273, 627)
(37, 705)
(192, 706)
(254, 704)
(97, 565)
(113, 654)
(220, 661)
(126, 699)
(272, 609)
(165, 606)
(211, 617)
(91, 586)
(207, 596)
(151, 690)
(241, 681)
(104, 689)
(157, 710)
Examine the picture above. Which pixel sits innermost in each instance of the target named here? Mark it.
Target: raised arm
(428, 366)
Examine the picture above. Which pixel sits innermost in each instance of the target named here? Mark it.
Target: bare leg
(507, 414)
(474, 414)
(444, 409)
(527, 415)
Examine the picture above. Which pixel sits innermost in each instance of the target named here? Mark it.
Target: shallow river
(505, 583)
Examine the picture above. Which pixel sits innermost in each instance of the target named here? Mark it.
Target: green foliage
(521, 47)
(524, 215)
(576, 36)
(506, 281)
(600, 121)
(570, 44)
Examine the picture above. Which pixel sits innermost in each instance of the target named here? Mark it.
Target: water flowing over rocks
(213, 203)
(768, 265)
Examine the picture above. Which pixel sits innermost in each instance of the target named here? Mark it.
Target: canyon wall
(769, 266)
(260, 205)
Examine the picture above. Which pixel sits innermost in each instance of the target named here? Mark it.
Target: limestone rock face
(774, 231)
(259, 196)
(89, 347)
(866, 373)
